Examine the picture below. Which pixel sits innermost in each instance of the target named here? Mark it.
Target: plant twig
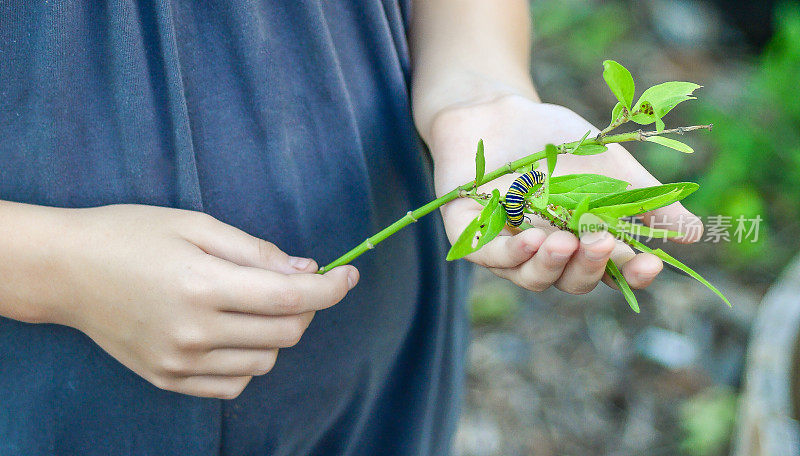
(463, 190)
(679, 130)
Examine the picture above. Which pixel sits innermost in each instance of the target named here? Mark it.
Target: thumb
(675, 217)
(232, 244)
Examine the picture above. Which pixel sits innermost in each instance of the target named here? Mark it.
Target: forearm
(29, 239)
(464, 51)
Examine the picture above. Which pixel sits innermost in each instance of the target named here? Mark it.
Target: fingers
(675, 217)
(639, 270)
(509, 251)
(256, 291)
(232, 244)
(546, 266)
(230, 363)
(619, 163)
(577, 267)
(588, 264)
(642, 269)
(236, 330)
(221, 387)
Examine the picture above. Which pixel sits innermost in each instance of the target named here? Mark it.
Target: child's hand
(189, 303)
(512, 127)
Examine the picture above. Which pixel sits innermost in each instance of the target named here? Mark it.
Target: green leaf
(671, 143)
(667, 258)
(480, 164)
(620, 82)
(569, 189)
(660, 99)
(580, 209)
(643, 113)
(481, 230)
(589, 149)
(586, 183)
(552, 155)
(659, 125)
(496, 223)
(638, 207)
(558, 212)
(541, 197)
(643, 194)
(637, 229)
(588, 222)
(582, 140)
(619, 279)
(615, 113)
(464, 244)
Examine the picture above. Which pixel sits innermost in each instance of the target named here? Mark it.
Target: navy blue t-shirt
(288, 119)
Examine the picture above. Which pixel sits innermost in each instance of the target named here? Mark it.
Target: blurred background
(555, 374)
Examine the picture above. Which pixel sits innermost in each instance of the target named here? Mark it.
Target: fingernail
(533, 240)
(593, 237)
(301, 264)
(594, 255)
(352, 277)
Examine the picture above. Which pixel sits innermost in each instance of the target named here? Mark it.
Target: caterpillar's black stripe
(515, 197)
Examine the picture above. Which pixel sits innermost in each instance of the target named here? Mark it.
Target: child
(149, 146)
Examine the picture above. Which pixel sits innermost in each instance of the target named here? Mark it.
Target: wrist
(434, 100)
(32, 249)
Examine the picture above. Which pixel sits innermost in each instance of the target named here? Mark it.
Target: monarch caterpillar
(515, 197)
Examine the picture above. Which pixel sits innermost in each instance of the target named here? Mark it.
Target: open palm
(512, 127)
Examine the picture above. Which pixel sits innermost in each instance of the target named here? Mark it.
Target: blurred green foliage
(748, 166)
(756, 137)
(493, 303)
(587, 29)
(707, 421)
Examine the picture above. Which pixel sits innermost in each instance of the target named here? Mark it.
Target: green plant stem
(462, 190)
(616, 123)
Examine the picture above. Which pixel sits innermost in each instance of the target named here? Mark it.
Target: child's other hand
(189, 303)
(514, 126)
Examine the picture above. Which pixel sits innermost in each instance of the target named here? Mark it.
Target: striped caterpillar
(515, 197)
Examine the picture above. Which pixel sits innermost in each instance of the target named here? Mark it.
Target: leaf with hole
(481, 230)
(660, 99)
